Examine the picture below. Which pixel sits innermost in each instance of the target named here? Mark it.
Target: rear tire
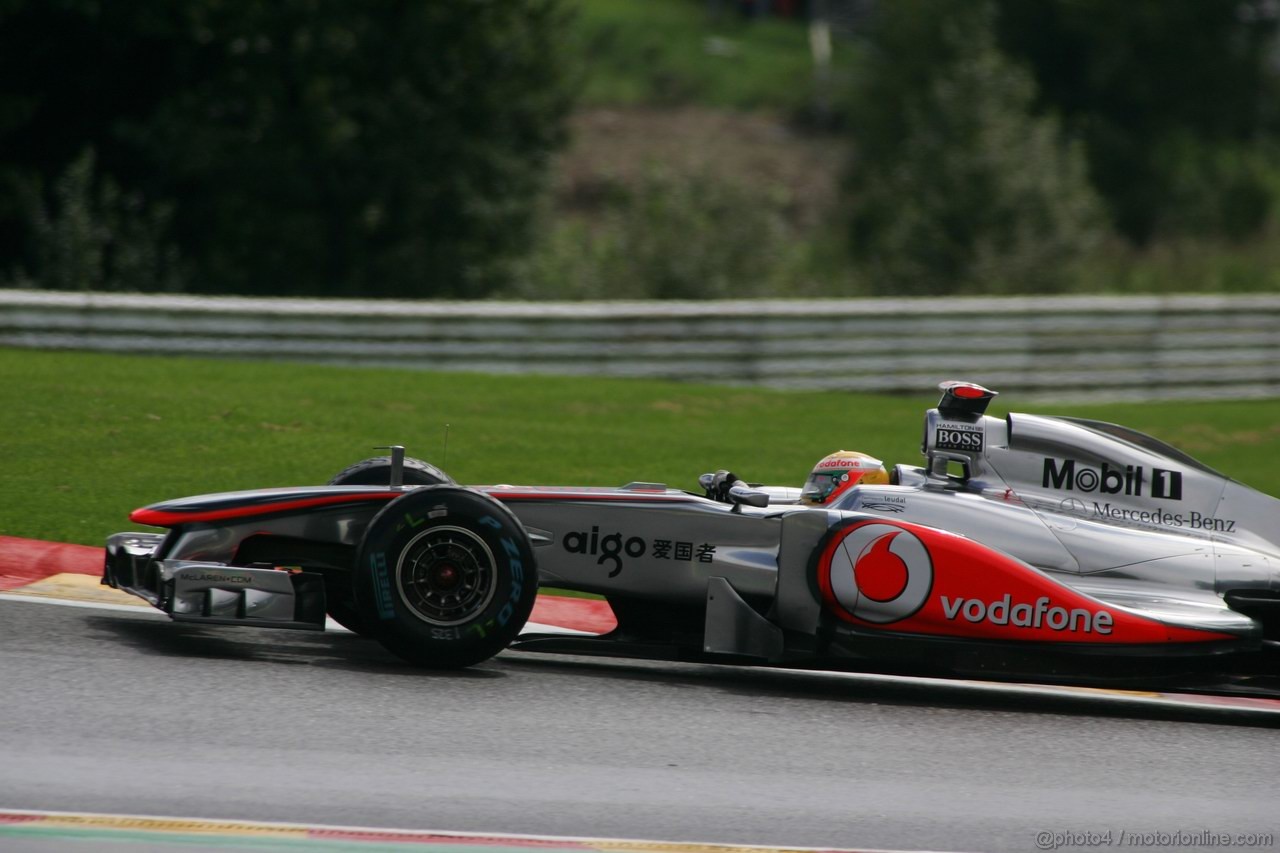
(376, 471)
(445, 577)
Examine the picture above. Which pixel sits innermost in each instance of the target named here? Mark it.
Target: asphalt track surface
(127, 712)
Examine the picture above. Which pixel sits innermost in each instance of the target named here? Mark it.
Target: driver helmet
(838, 472)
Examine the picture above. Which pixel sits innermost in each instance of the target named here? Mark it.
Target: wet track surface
(129, 713)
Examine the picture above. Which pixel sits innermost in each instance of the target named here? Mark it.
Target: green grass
(91, 437)
(676, 52)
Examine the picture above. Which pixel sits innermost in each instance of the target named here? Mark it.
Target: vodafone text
(1041, 614)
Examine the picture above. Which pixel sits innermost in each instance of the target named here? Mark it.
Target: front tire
(445, 577)
(375, 471)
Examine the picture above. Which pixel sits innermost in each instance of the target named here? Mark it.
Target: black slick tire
(375, 471)
(445, 577)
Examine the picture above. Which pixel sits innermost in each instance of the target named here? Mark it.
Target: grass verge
(89, 437)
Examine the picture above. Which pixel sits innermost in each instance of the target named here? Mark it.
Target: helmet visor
(821, 484)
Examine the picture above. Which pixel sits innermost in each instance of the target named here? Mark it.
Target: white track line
(330, 625)
(67, 602)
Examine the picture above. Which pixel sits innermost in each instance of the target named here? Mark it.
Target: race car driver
(834, 475)
(838, 472)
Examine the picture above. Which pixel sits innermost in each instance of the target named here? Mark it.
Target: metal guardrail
(1060, 348)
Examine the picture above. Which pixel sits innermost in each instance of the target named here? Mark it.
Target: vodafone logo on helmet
(876, 572)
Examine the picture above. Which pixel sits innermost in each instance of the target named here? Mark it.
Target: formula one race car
(1043, 548)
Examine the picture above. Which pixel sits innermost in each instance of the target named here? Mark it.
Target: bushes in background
(957, 187)
(291, 146)
(1176, 103)
(311, 147)
(671, 234)
(91, 235)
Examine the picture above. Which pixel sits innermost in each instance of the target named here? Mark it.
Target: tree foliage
(94, 236)
(303, 146)
(957, 187)
(1176, 103)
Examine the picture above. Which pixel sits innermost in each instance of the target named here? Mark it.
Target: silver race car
(1030, 547)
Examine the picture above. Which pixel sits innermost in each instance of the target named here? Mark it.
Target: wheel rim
(446, 575)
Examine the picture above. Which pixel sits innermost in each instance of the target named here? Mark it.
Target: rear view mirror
(742, 495)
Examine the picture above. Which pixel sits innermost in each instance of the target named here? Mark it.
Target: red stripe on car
(169, 518)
